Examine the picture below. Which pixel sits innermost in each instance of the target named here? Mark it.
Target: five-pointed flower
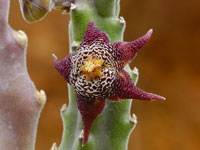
(96, 72)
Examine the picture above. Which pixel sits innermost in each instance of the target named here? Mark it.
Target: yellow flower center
(92, 67)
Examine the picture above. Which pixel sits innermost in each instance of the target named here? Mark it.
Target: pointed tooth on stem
(73, 7)
(81, 137)
(121, 20)
(135, 73)
(54, 147)
(133, 119)
(74, 45)
(64, 108)
(21, 38)
(41, 97)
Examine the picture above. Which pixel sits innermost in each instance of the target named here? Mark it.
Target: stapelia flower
(96, 72)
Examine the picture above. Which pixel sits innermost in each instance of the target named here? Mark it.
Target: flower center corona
(92, 67)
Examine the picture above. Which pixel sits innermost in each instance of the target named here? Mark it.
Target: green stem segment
(112, 128)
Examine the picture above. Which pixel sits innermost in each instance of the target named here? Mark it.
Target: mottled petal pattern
(96, 72)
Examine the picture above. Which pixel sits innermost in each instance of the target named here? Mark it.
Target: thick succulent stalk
(20, 102)
(112, 128)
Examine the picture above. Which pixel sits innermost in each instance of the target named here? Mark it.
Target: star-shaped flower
(96, 72)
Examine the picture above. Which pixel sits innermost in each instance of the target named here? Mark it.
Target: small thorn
(121, 20)
(81, 137)
(41, 97)
(73, 6)
(54, 147)
(133, 119)
(135, 71)
(54, 56)
(74, 45)
(20, 37)
(64, 108)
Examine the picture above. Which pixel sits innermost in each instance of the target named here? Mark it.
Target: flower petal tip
(163, 98)
(94, 34)
(150, 32)
(158, 97)
(90, 23)
(54, 56)
(55, 60)
(148, 35)
(57, 64)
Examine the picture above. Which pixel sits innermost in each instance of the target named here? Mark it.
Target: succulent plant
(20, 101)
(101, 83)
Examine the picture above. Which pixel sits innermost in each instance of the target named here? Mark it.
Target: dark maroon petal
(124, 88)
(89, 110)
(126, 51)
(63, 66)
(93, 34)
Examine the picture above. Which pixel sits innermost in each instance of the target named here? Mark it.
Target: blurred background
(169, 65)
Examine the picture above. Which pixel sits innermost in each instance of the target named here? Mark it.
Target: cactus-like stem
(107, 8)
(20, 102)
(112, 128)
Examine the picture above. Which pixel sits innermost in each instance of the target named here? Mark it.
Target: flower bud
(34, 10)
